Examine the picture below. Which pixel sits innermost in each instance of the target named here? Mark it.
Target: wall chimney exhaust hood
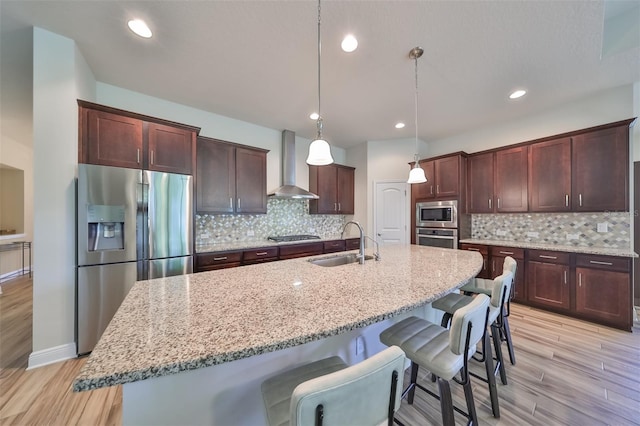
(289, 188)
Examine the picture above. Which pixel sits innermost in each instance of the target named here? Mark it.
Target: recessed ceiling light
(139, 27)
(399, 125)
(314, 116)
(517, 94)
(349, 43)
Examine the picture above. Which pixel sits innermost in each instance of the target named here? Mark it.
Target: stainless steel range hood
(289, 188)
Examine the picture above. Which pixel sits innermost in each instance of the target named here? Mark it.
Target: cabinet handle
(547, 257)
(220, 258)
(438, 189)
(138, 155)
(339, 207)
(335, 207)
(498, 203)
(597, 262)
(506, 252)
(238, 205)
(231, 203)
(580, 199)
(579, 280)
(431, 189)
(489, 202)
(473, 249)
(484, 263)
(565, 276)
(493, 266)
(261, 253)
(566, 200)
(151, 157)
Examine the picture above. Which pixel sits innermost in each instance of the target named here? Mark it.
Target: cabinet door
(447, 176)
(511, 180)
(518, 286)
(345, 190)
(550, 176)
(215, 177)
(604, 295)
(600, 170)
(480, 183)
(170, 149)
(323, 181)
(426, 190)
(112, 140)
(485, 272)
(548, 284)
(251, 185)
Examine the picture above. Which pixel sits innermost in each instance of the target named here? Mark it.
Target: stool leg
(497, 345)
(446, 403)
(507, 333)
(488, 363)
(413, 379)
(471, 406)
(446, 317)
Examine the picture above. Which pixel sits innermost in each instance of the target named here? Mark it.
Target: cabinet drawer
(300, 250)
(484, 250)
(334, 246)
(516, 253)
(352, 244)
(208, 260)
(260, 254)
(545, 256)
(612, 263)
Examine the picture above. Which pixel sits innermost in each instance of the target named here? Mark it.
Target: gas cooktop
(285, 238)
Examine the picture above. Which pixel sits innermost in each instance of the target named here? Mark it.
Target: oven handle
(436, 237)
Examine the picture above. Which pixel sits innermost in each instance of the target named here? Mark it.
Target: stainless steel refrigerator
(132, 225)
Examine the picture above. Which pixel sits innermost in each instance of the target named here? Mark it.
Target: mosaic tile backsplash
(553, 228)
(284, 217)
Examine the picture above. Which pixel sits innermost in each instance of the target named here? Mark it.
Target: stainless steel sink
(342, 259)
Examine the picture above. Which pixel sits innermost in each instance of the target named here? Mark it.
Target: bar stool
(482, 285)
(443, 352)
(329, 391)
(452, 302)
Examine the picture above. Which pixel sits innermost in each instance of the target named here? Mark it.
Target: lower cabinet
(301, 250)
(218, 260)
(548, 280)
(259, 255)
(518, 289)
(485, 272)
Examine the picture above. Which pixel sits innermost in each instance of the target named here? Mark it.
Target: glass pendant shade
(320, 153)
(416, 175)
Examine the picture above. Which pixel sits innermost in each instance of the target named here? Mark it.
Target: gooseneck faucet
(361, 255)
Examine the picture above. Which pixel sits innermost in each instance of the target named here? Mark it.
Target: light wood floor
(568, 372)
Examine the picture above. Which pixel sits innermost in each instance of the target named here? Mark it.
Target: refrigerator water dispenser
(106, 227)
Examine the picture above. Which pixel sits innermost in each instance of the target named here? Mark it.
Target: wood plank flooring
(568, 372)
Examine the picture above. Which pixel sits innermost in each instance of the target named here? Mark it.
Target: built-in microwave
(437, 214)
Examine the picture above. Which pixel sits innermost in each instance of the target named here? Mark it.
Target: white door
(390, 214)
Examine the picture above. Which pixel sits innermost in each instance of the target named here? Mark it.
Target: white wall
(60, 76)
(357, 157)
(20, 156)
(604, 107)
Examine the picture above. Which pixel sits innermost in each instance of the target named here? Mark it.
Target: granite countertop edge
(606, 251)
(82, 385)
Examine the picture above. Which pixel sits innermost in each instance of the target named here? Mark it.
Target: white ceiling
(257, 60)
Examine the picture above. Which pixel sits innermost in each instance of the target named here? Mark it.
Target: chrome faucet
(361, 255)
(376, 255)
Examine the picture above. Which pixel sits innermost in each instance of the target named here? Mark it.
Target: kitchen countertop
(242, 245)
(169, 325)
(554, 247)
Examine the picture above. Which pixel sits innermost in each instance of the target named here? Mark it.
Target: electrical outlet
(359, 345)
(573, 236)
(533, 234)
(501, 233)
(603, 227)
(250, 233)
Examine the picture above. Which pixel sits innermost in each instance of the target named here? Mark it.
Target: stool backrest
(474, 313)
(501, 288)
(357, 395)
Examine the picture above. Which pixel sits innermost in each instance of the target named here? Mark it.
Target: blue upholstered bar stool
(330, 392)
(452, 302)
(443, 352)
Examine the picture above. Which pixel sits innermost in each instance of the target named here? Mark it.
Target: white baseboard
(13, 274)
(52, 355)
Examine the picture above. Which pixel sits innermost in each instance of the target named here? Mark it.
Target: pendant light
(416, 175)
(319, 150)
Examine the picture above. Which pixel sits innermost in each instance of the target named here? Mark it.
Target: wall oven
(437, 237)
(437, 214)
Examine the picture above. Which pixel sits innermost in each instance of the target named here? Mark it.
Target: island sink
(342, 259)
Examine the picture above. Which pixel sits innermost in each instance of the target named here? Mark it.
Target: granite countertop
(187, 322)
(555, 247)
(241, 245)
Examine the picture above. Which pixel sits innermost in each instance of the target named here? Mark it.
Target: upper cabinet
(443, 178)
(334, 185)
(113, 137)
(230, 178)
(497, 181)
(550, 176)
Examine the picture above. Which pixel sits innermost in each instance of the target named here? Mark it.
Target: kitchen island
(193, 349)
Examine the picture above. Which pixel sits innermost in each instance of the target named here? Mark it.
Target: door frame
(407, 192)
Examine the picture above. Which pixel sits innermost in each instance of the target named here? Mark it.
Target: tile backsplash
(284, 217)
(555, 228)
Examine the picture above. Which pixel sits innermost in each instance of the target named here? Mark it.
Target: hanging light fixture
(319, 150)
(416, 175)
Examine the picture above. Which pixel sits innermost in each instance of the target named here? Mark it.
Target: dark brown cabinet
(218, 260)
(113, 137)
(301, 250)
(352, 244)
(334, 246)
(548, 279)
(334, 184)
(603, 290)
(426, 190)
(480, 183)
(600, 170)
(259, 255)
(230, 178)
(550, 176)
(485, 272)
(443, 179)
(498, 254)
(511, 180)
